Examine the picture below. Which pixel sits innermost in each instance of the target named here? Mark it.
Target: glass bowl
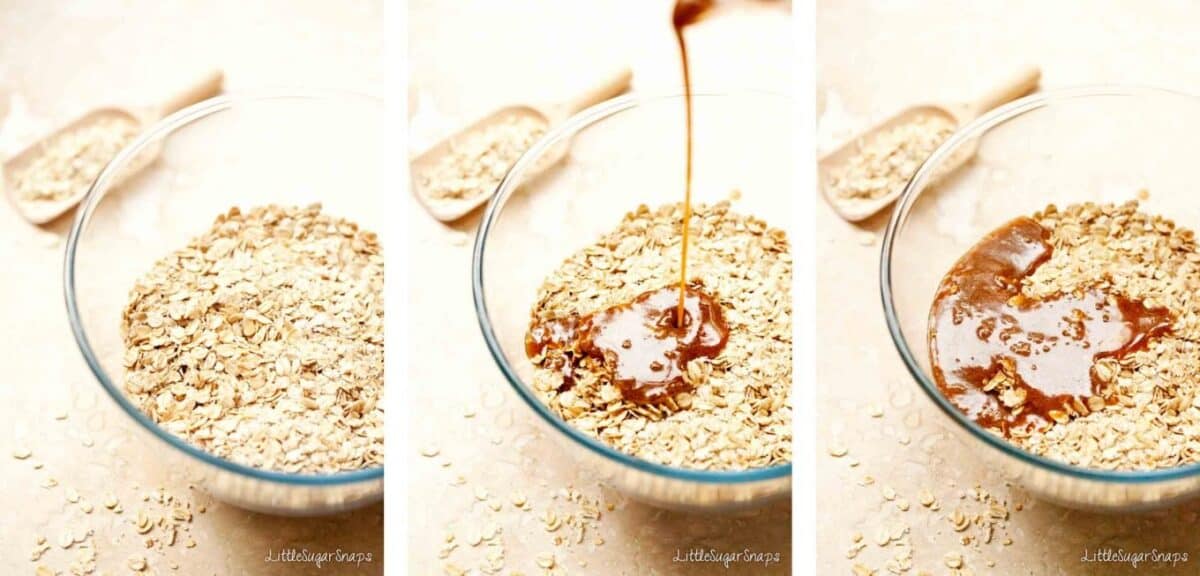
(246, 151)
(1099, 144)
(625, 152)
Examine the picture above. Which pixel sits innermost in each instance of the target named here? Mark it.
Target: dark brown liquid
(645, 344)
(686, 13)
(640, 343)
(980, 325)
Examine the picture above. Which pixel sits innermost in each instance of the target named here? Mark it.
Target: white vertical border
(804, 396)
(395, 254)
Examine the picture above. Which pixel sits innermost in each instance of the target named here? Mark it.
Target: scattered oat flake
(926, 498)
(883, 537)
(22, 453)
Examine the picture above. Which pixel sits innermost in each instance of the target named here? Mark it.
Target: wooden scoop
(855, 210)
(450, 209)
(40, 211)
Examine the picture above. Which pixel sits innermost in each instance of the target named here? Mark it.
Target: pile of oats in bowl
(737, 414)
(261, 341)
(1144, 409)
(1151, 414)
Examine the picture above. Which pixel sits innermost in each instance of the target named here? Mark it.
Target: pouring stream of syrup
(686, 13)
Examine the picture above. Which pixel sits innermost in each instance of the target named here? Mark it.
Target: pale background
(874, 57)
(468, 57)
(56, 60)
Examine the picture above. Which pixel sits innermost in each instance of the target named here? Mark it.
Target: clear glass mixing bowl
(1068, 146)
(245, 151)
(625, 152)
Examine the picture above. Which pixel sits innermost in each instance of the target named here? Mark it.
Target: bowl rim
(91, 200)
(565, 131)
(917, 184)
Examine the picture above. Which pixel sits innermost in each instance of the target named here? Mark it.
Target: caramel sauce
(981, 324)
(640, 343)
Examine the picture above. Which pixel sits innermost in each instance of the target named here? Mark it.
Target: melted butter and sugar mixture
(646, 344)
(1008, 361)
(686, 13)
(639, 343)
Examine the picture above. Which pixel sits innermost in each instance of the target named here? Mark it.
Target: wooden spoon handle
(203, 88)
(1013, 87)
(612, 85)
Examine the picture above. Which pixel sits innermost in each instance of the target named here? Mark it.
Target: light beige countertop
(467, 58)
(873, 58)
(56, 60)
